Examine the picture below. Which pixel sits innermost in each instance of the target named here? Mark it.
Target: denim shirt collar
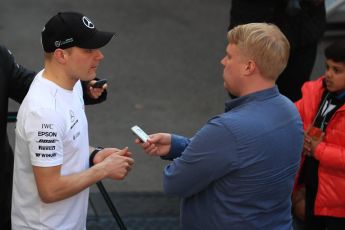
(259, 95)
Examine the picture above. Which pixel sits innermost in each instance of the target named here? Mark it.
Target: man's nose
(223, 61)
(99, 55)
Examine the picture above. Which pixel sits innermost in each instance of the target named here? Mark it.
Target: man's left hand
(95, 93)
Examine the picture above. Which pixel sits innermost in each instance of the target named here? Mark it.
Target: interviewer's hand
(95, 93)
(158, 144)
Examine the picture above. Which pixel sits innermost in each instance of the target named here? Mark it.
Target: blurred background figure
(322, 174)
(302, 21)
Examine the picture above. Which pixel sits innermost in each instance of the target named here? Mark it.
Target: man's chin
(231, 95)
(89, 78)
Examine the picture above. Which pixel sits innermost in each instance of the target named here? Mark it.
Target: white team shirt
(51, 130)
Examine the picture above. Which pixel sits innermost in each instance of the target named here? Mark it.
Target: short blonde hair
(265, 44)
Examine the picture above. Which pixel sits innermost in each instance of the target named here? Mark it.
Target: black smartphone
(99, 83)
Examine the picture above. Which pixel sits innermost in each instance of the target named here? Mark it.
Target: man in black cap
(51, 165)
(15, 81)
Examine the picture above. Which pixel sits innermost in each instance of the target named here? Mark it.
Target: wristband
(93, 154)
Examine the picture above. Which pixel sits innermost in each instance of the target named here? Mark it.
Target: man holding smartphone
(237, 172)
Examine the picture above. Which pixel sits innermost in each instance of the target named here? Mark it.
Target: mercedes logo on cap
(87, 22)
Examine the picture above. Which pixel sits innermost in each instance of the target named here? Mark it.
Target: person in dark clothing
(302, 21)
(15, 81)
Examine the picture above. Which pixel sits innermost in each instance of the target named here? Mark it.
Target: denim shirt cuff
(178, 145)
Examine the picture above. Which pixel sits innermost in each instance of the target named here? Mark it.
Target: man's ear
(249, 67)
(60, 56)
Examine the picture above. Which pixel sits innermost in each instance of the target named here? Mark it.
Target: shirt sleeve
(178, 145)
(210, 155)
(44, 134)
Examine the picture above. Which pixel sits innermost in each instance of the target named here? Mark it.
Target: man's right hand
(158, 144)
(118, 164)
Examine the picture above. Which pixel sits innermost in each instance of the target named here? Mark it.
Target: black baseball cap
(68, 29)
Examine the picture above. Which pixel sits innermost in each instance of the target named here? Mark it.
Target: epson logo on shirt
(46, 147)
(47, 134)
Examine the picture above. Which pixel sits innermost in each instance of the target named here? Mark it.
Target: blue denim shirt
(238, 170)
